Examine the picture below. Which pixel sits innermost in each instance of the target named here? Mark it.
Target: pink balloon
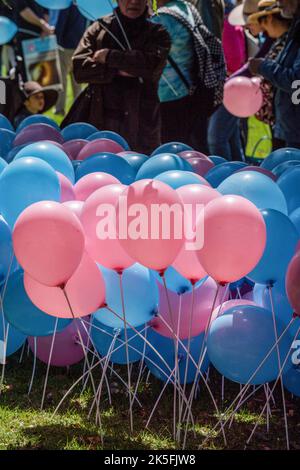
(187, 262)
(67, 349)
(259, 169)
(200, 165)
(234, 238)
(36, 132)
(66, 188)
(97, 146)
(292, 282)
(48, 242)
(85, 291)
(88, 184)
(220, 309)
(73, 147)
(242, 97)
(181, 310)
(75, 206)
(106, 251)
(149, 237)
(187, 154)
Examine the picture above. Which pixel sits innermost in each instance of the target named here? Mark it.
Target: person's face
(289, 7)
(254, 29)
(36, 103)
(132, 8)
(268, 26)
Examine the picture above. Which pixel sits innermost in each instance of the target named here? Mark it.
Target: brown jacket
(129, 106)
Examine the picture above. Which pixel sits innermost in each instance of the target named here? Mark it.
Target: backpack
(210, 64)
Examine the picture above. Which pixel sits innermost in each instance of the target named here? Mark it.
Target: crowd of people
(155, 74)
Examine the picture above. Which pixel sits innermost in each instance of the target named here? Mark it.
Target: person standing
(69, 29)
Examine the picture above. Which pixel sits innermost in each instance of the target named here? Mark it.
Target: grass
(24, 426)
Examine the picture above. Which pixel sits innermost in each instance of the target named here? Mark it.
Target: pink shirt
(234, 44)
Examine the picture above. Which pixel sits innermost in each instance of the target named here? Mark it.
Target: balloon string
(48, 364)
(34, 365)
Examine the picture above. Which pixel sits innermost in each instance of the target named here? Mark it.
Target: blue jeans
(224, 137)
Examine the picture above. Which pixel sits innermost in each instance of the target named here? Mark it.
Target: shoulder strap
(179, 73)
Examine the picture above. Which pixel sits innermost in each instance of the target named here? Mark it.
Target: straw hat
(239, 15)
(265, 8)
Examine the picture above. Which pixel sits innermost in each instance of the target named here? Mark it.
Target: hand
(254, 65)
(100, 56)
(47, 30)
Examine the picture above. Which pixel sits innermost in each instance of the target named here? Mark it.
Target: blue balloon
(55, 4)
(291, 380)
(255, 187)
(175, 281)
(6, 142)
(219, 173)
(37, 119)
(8, 30)
(135, 160)
(176, 179)
(24, 182)
(282, 308)
(78, 130)
(240, 339)
(110, 135)
(282, 167)
(103, 337)
(289, 183)
(160, 163)
(51, 154)
(282, 239)
(20, 312)
(217, 160)
(108, 163)
(13, 152)
(295, 218)
(15, 339)
(140, 295)
(5, 123)
(280, 156)
(171, 147)
(7, 262)
(93, 10)
(3, 165)
(166, 349)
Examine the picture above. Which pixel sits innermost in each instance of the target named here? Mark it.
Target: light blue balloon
(55, 4)
(103, 337)
(282, 167)
(282, 239)
(108, 163)
(110, 135)
(257, 188)
(289, 183)
(295, 218)
(175, 281)
(7, 262)
(51, 154)
(37, 119)
(171, 147)
(20, 312)
(5, 123)
(93, 10)
(140, 295)
(15, 338)
(240, 339)
(176, 179)
(166, 349)
(135, 160)
(3, 164)
(24, 182)
(282, 308)
(217, 160)
(8, 30)
(158, 164)
(280, 156)
(6, 142)
(291, 380)
(78, 130)
(219, 173)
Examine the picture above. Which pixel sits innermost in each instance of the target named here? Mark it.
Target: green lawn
(24, 426)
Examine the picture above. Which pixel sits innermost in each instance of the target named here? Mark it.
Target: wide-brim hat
(265, 8)
(33, 88)
(239, 15)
